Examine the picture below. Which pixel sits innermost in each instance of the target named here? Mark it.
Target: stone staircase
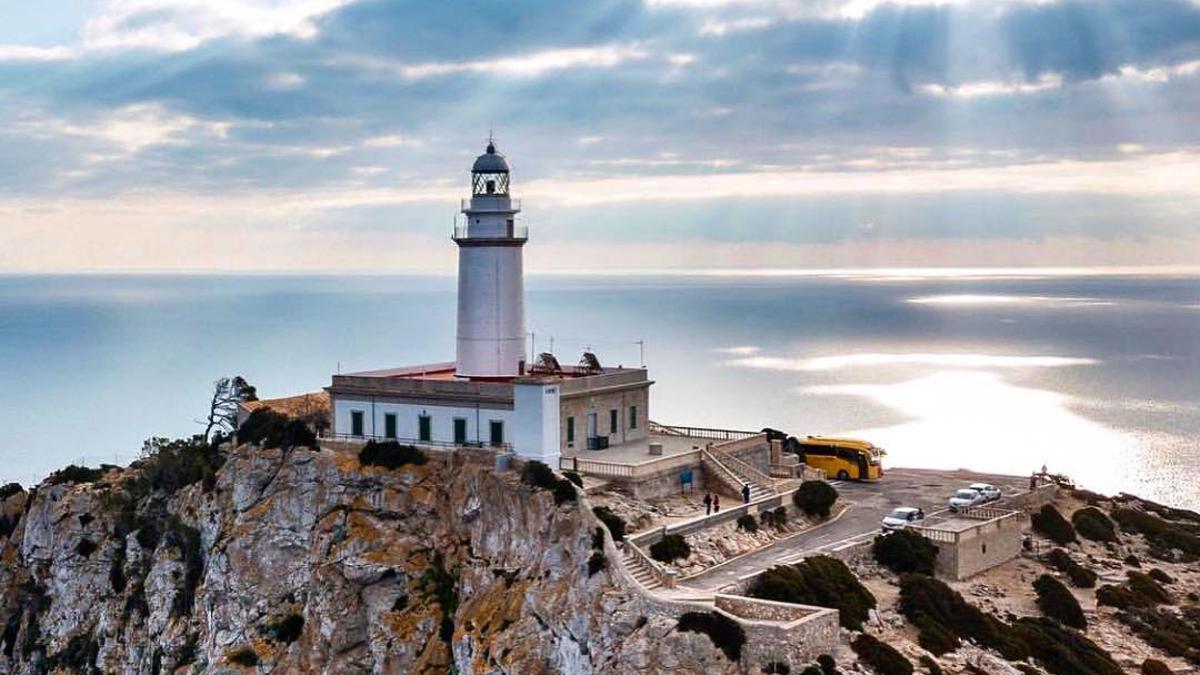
(639, 568)
(733, 473)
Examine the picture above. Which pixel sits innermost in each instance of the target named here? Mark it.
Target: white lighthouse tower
(491, 286)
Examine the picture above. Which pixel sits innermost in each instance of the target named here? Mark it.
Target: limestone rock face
(302, 560)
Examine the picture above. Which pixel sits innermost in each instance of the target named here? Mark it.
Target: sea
(1093, 375)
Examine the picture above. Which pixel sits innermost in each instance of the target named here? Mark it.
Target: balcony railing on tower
(514, 231)
(489, 203)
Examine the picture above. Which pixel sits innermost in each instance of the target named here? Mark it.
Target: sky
(337, 135)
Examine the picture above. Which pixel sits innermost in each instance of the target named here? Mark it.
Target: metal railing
(664, 576)
(516, 231)
(436, 445)
(746, 471)
(700, 432)
(603, 468)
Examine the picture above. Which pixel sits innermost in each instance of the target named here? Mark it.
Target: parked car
(900, 518)
(990, 492)
(964, 498)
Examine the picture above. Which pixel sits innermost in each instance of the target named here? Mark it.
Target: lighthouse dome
(490, 161)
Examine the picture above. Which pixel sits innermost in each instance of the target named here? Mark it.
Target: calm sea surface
(1097, 377)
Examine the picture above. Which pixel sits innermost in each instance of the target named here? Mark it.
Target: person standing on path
(716, 503)
(708, 501)
(746, 493)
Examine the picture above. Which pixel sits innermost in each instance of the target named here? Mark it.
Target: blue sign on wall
(685, 477)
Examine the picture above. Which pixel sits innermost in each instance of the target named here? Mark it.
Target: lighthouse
(491, 286)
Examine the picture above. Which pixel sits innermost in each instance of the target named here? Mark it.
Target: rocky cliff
(301, 560)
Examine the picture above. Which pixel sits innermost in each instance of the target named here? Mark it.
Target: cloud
(875, 360)
(179, 25)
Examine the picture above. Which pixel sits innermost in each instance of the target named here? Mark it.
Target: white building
(490, 396)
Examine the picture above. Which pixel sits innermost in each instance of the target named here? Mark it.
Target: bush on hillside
(170, 465)
(10, 489)
(1161, 533)
(930, 665)
(747, 523)
(1080, 576)
(1063, 650)
(614, 523)
(1057, 602)
(390, 455)
(828, 665)
(818, 580)
(724, 632)
(1050, 523)
(905, 551)
(670, 548)
(1132, 560)
(1091, 523)
(242, 656)
(1160, 576)
(1176, 635)
(938, 611)
(272, 429)
(285, 630)
(596, 562)
(1139, 590)
(565, 491)
(574, 478)
(78, 474)
(537, 474)
(881, 657)
(1155, 667)
(815, 497)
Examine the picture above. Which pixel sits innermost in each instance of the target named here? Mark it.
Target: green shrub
(1091, 523)
(564, 491)
(275, 430)
(815, 497)
(85, 548)
(1145, 585)
(10, 489)
(242, 656)
(781, 516)
(1057, 602)
(817, 580)
(1063, 650)
(390, 455)
(724, 632)
(939, 612)
(574, 478)
(78, 474)
(538, 475)
(1050, 523)
(747, 523)
(828, 665)
(1176, 635)
(670, 548)
(286, 630)
(1080, 576)
(1162, 533)
(441, 585)
(930, 665)
(596, 562)
(905, 551)
(1155, 667)
(1160, 576)
(881, 657)
(1132, 561)
(614, 523)
(170, 465)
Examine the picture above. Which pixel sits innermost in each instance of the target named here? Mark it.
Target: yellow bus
(842, 458)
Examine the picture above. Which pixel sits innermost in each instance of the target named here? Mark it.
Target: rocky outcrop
(299, 560)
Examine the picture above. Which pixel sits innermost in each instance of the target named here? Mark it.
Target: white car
(900, 518)
(990, 492)
(964, 498)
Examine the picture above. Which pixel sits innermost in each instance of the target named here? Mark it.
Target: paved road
(923, 488)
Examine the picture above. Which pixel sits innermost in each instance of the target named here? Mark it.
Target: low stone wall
(1034, 499)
